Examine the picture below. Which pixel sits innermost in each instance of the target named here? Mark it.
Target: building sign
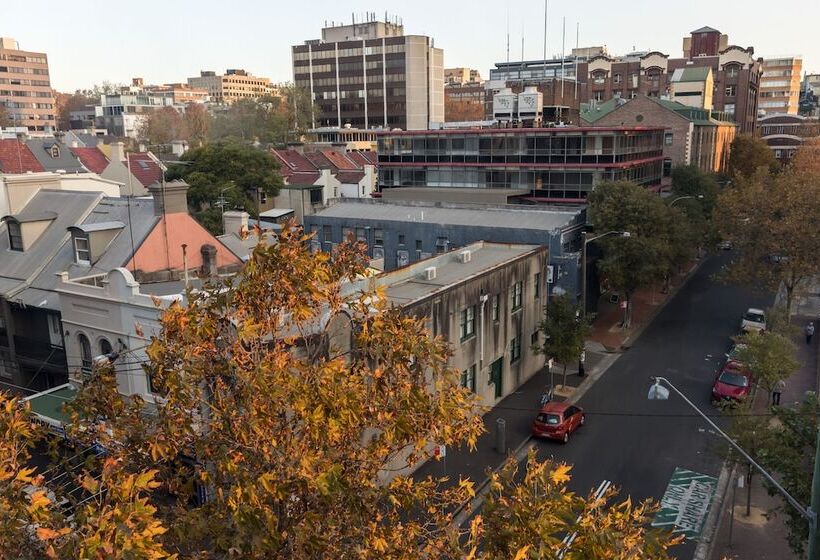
(686, 502)
(550, 274)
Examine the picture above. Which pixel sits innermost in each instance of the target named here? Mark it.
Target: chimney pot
(209, 268)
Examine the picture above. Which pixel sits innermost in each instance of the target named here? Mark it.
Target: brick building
(736, 75)
(25, 87)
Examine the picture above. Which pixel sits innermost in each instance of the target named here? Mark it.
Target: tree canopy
(271, 119)
(565, 332)
(298, 435)
(771, 220)
(769, 357)
(235, 171)
(749, 154)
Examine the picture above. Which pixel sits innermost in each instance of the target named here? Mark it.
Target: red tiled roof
(362, 157)
(144, 169)
(292, 161)
(92, 158)
(15, 157)
(340, 160)
(321, 161)
(350, 177)
(302, 178)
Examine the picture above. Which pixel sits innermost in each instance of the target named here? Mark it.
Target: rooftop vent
(430, 273)
(465, 257)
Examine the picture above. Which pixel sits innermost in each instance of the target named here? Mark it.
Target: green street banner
(686, 502)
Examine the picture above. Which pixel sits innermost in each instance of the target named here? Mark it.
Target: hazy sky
(89, 41)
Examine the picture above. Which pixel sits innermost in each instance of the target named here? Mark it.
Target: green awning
(48, 405)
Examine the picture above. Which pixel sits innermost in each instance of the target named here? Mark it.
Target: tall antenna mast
(521, 67)
(577, 46)
(563, 40)
(545, 38)
(508, 35)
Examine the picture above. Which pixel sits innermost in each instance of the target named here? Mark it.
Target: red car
(557, 421)
(732, 383)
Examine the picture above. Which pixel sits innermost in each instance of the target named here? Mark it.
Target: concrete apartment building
(25, 87)
(780, 85)
(736, 75)
(370, 74)
(461, 76)
(785, 133)
(232, 86)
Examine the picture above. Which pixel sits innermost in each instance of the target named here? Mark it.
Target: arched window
(85, 352)
(105, 347)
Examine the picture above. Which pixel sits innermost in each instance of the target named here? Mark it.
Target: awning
(48, 406)
(35, 297)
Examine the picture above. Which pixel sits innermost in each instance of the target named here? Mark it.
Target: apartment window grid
(516, 296)
(467, 322)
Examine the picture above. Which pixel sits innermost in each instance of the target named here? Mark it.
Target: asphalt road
(637, 443)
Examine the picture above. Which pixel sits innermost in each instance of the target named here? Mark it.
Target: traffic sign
(440, 451)
(686, 502)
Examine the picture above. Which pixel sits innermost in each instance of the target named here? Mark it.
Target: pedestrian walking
(581, 369)
(809, 332)
(777, 391)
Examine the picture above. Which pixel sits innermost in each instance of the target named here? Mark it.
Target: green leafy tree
(265, 120)
(564, 332)
(771, 220)
(748, 155)
(235, 171)
(297, 104)
(657, 245)
(769, 357)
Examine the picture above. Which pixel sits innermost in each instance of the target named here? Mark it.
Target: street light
(699, 197)
(584, 263)
(658, 392)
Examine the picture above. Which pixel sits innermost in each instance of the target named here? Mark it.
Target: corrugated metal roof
(65, 160)
(506, 217)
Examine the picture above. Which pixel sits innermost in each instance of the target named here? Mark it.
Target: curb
(706, 544)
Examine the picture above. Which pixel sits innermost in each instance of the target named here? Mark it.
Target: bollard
(501, 436)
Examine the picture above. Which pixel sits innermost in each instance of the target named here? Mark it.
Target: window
(516, 293)
(537, 285)
(667, 138)
(496, 307)
(263, 197)
(732, 71)
(515, 349)
(729, 109)
(360, 234)
(418, 244)
(327, 234)
(731, 91)
(401, 239)
(468, 378)
(85, 352)
(105, 347)
(616, 78)
(15, 236)
(378, 237)
(467, 322)
(442, 243)
(82, 250)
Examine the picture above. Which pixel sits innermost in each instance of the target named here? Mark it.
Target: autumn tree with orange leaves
(295, 407)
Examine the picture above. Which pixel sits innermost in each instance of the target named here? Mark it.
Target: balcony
(40, 353)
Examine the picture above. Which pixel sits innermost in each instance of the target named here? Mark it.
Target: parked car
(732, 383)
(557, 420)
(733, 352)
(753, 320)
(725, 245)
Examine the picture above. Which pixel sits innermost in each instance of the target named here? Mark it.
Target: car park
(557, 420)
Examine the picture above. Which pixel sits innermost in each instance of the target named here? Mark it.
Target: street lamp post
(584, 263)
(658, 392)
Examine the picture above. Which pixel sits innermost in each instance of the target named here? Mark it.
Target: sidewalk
(755, 537)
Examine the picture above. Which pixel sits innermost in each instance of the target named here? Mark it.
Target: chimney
(209, 268)
(137, 82)
(234, 221)
(170, 199)
(117, 151)
(179, 147)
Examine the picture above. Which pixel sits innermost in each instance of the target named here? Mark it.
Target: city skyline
(120, 48)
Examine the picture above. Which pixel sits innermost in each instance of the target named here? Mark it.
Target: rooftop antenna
(563, 40)
(508, 35)
(545, 38)
(521, 68)
(577, 46)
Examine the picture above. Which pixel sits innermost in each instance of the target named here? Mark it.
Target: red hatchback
(732, 383)
(557, 421)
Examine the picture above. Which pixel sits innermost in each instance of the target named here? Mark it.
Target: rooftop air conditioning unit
(430, 273)
(465, 256)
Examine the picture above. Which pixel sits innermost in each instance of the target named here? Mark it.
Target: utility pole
(814, 545)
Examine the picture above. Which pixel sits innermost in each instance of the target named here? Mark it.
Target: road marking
(686, 502)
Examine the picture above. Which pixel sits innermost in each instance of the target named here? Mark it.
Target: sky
(91, 41)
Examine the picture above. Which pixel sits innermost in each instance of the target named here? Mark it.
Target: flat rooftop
(503, 216)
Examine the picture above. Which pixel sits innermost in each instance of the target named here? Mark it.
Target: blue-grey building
(405, 232)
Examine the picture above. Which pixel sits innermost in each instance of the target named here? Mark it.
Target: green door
(496, 376)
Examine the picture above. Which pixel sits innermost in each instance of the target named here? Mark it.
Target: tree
(461, 111)
(771, 220)
(657, 243)
(231, 170)
(163, 126)
(769, 357)
(299, 107)
(529, 519)
(197, 123)
(66, 103)
(748, 154)
(265, 120)
(565, 332)
(4, 116)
